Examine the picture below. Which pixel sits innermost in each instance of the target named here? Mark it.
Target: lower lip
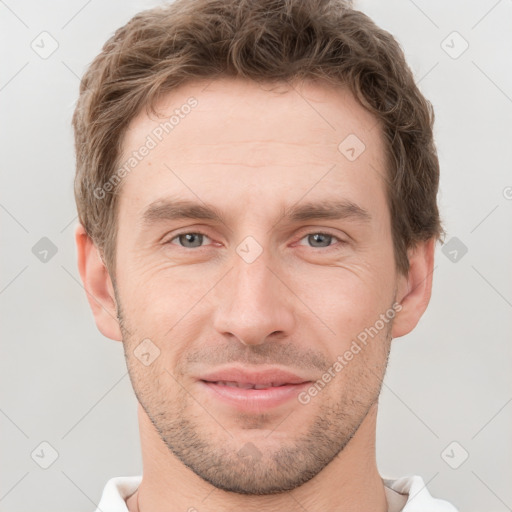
(254, 400)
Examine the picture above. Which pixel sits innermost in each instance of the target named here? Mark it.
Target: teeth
(239, 385)
(244, 386)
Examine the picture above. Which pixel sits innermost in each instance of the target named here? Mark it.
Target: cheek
(167, 306)
(345, 298)
(159, 291)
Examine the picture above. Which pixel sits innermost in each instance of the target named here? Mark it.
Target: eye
(193, 240)
(321, 240)
(189, 240)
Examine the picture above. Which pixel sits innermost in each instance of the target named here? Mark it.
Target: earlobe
(415, 289)
(98, 285)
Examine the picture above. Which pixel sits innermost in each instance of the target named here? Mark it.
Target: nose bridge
(253, 283)
(254, 303)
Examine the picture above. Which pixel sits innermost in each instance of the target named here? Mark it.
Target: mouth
(248, 385)
(250, 391)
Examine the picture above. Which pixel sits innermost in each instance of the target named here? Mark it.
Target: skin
(253, 152)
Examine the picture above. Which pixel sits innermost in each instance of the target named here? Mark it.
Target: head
(256, 186)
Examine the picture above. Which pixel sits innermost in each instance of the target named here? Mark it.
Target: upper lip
(274, 376)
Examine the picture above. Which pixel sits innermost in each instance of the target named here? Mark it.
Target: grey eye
(190, 240)
(319, 239)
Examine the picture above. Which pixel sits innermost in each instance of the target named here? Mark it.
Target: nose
(254, 303)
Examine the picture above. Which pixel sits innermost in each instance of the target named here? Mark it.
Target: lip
(276, 376)
(286, 387)
(253, 400)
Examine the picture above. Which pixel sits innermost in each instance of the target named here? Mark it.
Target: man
(256, 186)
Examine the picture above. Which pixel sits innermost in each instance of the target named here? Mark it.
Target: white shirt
(407, 494)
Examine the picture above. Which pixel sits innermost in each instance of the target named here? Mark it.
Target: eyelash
(332, 246)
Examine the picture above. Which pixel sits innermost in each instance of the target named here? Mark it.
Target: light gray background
(64, 383)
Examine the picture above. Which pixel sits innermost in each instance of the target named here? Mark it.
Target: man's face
(259, 288)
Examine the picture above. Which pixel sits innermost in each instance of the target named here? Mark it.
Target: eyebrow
(167, 209)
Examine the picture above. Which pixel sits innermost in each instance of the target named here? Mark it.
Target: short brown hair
(266, 41)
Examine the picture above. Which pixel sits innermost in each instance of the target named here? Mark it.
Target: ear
(415, 288)
(97, 284)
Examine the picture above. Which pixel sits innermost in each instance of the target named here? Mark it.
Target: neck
(350, 482)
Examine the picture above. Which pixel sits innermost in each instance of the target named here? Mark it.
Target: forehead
(236, 138)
